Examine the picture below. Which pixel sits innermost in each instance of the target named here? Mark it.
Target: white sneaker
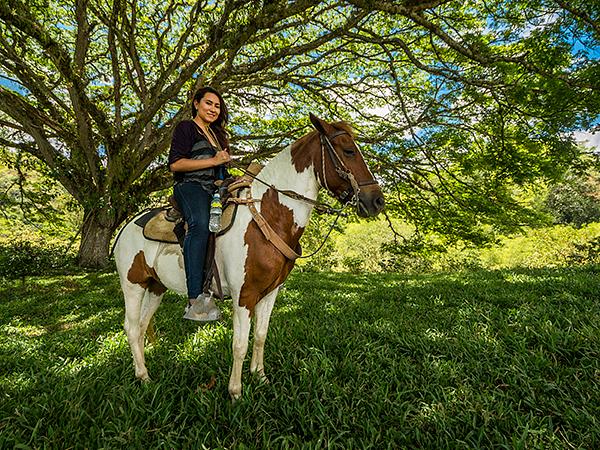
(202, 309)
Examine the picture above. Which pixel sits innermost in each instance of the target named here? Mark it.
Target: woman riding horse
(199, 150)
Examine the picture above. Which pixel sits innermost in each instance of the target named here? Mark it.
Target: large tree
(457, 102)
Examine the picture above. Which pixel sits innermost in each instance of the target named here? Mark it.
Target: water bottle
(216, 209)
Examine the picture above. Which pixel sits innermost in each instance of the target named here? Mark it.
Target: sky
(589, 139)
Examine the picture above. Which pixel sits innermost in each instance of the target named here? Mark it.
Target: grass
(507, 359)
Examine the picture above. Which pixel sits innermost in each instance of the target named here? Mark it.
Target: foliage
(586, 253)
(359, 248)
(32, 201)
(576, 200)
(373, 247)
(456, 103)
(26, 257)
(471, 360)
(545, 247)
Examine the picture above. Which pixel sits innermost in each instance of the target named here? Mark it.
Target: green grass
(507, 359)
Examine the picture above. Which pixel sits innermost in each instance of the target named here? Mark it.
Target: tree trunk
(96, 233)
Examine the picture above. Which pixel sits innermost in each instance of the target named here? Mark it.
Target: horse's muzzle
(370, 202)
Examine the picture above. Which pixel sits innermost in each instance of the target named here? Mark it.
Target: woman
(199, 150)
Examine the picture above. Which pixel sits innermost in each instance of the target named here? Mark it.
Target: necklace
(209, 134)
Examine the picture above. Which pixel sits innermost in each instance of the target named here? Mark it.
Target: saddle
(165, 224)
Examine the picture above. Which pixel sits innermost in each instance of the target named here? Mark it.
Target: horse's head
(341, 169)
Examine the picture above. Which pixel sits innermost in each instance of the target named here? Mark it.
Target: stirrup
(173, 215)
(202, 309)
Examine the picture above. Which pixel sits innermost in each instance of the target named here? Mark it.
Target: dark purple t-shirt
(185, 136)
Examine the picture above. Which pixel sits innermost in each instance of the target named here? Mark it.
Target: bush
(557, 246)
(586, 253)
(575, 201)
(22, 258)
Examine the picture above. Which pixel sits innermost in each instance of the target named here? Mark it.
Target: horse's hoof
(262, 377)
(145, 378)
(235, 395)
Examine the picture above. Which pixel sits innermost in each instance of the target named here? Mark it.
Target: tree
(456, 102)
(576, 200)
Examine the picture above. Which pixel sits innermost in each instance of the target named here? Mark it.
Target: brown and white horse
(251, 268)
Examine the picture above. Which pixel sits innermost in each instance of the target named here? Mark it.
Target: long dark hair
(218, 126)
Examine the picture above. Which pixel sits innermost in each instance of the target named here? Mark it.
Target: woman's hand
(189, 165)
(221, 158)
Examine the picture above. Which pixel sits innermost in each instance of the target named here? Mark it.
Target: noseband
(341, 169)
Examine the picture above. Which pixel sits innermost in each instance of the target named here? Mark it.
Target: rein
(320, 207)
(270, 234)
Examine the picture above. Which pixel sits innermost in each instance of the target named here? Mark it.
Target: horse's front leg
(262, 314)
(241, 330)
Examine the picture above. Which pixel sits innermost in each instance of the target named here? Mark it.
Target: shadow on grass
(354, 361)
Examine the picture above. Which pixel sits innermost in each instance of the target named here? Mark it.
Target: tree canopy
(456, 103)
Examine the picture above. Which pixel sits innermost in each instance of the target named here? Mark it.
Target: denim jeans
(194, 203)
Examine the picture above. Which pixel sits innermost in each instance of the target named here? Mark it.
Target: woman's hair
(218, 126)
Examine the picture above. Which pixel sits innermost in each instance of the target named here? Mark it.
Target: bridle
(351, 193)
(343, 172)
(341, 169)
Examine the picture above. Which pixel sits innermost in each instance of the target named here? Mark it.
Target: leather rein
(345, 197)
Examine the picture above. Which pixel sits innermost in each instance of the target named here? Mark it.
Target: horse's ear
(318, 123)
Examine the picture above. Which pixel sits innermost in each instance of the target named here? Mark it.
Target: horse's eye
(349, 152)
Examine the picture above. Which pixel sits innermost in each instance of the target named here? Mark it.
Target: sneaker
(202, 309)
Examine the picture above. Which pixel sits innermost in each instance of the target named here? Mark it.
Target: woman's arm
(189, 165)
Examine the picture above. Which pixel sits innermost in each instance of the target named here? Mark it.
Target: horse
(252, 262)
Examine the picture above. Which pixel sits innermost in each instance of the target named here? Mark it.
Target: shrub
(556, 246)
(575, 201)
(586, 253)
(22, 258)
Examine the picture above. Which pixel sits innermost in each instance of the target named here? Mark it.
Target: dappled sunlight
(430, 412)
(201, 343)
(442, 352)
(15, 382)
(443, 368)
(17, 346)
(286, 308)
(18, 328)
(436, 335)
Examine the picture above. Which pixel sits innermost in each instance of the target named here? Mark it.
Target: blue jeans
(194, 203)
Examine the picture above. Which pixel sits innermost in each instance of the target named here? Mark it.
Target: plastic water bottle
(216, 209)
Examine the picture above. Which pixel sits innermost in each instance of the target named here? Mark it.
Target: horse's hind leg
(150, 304)
(134, 294)
(262, 314)
(241, 331)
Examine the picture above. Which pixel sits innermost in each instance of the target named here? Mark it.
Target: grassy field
(506, 359)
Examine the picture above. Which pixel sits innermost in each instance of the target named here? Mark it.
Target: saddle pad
(143, 220)
(227, 218)
(156, 227)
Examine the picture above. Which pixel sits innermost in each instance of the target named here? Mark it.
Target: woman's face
(208, 108)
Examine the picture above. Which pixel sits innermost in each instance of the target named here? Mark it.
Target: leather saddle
(165, 224)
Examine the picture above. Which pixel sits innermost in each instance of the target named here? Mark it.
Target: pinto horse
(251, 267)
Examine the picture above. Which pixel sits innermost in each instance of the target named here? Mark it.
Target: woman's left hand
(222, 157)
